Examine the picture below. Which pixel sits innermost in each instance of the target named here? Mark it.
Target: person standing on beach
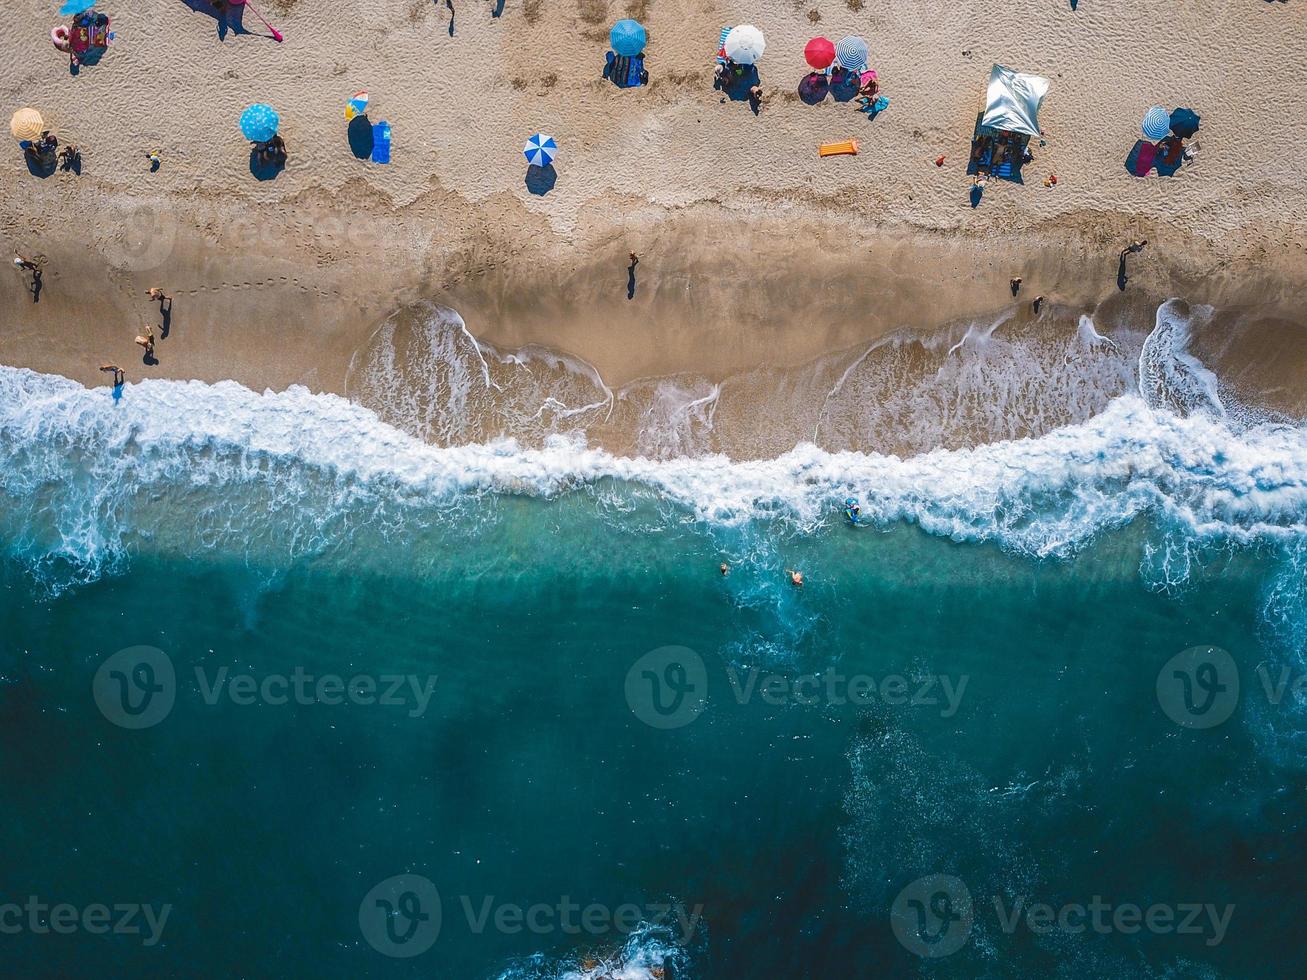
(1015, 284)
(1039, 301)
(146, 342)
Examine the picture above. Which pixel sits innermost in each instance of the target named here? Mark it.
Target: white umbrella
(744, 44)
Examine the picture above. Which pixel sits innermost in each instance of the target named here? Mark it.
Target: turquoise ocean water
(345, 704)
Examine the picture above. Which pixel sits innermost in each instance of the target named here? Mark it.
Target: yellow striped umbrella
(27, 124)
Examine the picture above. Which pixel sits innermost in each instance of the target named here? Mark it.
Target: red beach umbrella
(820, 53)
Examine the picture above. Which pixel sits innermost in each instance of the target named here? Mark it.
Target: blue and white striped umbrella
(1157, 123)
(851, 53)
(540, 150)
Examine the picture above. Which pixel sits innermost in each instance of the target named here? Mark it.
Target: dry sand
(754, 252)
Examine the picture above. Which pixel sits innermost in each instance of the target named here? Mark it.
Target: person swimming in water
(796, 577)
(852, 510)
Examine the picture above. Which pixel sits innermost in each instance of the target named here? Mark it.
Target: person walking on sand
(118, 377)
(1134, 248)
(1039, 301)
(23, 264)
(157, 295)
(1015, 284)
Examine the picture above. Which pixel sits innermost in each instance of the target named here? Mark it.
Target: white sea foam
(87, 478)
(88, 456)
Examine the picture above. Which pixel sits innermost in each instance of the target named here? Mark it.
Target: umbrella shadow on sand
(737, 87)
(360, 136)
(230, 18)
(845, 85)
(540, 180)
(41, 165)
(814, 88)
(264, 169)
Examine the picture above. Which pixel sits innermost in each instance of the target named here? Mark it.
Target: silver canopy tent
(1012, 103)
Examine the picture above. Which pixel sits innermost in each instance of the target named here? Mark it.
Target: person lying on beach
(796, 577)
(146, 341)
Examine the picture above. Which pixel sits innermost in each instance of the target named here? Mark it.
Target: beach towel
(626, 72)
(1140, 160)
(721, 46)
(381, 142)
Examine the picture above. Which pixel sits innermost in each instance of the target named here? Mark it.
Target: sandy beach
(754, 253)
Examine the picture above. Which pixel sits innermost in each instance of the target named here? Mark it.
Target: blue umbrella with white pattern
(851, 53)
(540, 150)
(1157, 123)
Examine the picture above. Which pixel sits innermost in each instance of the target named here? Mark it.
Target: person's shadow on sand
(499, 9)
(165, 318)
(38, 283)
(1121, 277)
(630, 278)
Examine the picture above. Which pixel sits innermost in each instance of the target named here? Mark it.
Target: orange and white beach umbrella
(26, 124)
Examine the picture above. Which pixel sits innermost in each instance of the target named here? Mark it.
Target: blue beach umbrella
(628, 38)
(259, 123)
(540, 150)
(1157, 123)
(851, 53)
(73, 7)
